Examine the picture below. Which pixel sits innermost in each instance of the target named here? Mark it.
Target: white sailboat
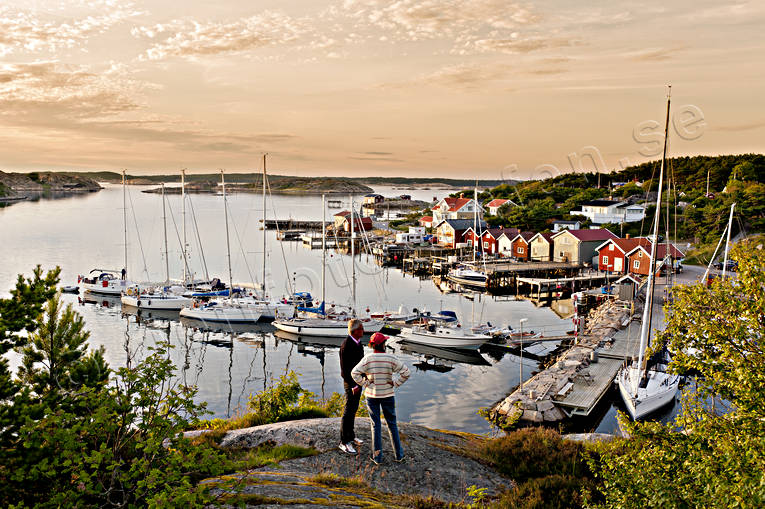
(107, 281)
(644, 388)
(228, 310)
(160, 297)
(328, 325)
(270, 309)
(469, 276)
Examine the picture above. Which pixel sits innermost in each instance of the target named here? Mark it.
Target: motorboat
(468, 277)
(230, 311)
(445, 337)
(103, 281)
(402, 315)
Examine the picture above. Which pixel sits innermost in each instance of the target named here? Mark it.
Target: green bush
(533, 453)
(549, 492)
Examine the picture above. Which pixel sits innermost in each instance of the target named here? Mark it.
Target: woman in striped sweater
(375, 373)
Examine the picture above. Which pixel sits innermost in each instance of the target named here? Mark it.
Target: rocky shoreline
(17, 186)
(436, 464)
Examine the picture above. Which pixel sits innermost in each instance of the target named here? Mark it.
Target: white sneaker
(347, 448)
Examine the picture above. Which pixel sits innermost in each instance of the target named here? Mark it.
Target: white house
(564, 225)
(610, 211)
(494, 205)
(456, 208)
(415, 235)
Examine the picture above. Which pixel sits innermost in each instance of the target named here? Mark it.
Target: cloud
(461, 77)
(50, 99)
(28, 32)
(740, 127)
(654, 54)
(378, 153)
(375, 158)
(192, 39)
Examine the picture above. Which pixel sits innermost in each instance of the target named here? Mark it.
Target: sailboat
(465, 275)
(329, 325)
(107, 281)
(270, 309)
(157, 298)
(646, 387)
(229, 310)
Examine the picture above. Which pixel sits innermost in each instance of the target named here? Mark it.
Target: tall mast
(353, 262)
(228, 246)
(727, 242)
(645, 329)
(475, 219)
(164, 225)
(124, 218)
(264, 226)
(183, 215)
(323, 246)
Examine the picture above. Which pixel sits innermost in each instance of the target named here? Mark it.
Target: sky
(452, 88)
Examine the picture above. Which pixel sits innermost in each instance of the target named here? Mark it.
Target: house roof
(661, 250)
(343, 213)
(496, 232)
(546, 236)
(461, 224)
(602, 203)
(426, 219)
(589, 235)
(458, 204)
(497, 202)
(625, 245)
(566, 222)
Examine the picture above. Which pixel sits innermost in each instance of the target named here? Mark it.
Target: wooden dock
(294, 224)
(580, 377)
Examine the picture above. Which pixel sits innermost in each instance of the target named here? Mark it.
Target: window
(486, 245)
(520, 249)
(636, 264)
(640, 254)
(611, 247)
(605, 260)
(470, 242)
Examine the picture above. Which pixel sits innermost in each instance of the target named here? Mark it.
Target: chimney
(627, 236)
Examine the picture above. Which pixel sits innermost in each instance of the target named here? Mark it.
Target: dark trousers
(349, 414)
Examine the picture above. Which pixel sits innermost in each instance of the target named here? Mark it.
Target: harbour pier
(582, 375)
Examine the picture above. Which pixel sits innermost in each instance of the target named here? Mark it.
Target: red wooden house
(488, 240)
(521, 248)
(611, 253)
(638, 259)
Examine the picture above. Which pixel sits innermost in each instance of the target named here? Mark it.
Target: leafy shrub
(549, 492)
(531, 453)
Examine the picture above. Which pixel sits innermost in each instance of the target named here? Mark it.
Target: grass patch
(245, 458)
(549, 492)
(337, 481)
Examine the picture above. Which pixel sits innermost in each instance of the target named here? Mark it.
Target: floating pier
(581, 376)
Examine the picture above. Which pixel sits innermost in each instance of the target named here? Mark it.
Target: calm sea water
(85, 232)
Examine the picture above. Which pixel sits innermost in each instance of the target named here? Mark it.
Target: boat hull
(323, 327)
(114, 287)
(445, 339)
(222, 314)
(660, 391)
(156, 302)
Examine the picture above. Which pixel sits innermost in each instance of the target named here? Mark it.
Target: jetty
(581, 376)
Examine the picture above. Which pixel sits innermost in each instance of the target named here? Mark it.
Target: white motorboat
(646, 388)
(468, 277)
(154, 299)
(402, 315)
(103, 281)
(445, 337)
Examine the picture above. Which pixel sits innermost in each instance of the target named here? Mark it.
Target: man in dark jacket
(351, 353)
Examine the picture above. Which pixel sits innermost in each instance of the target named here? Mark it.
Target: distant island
(291, 184)
(20, 186)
